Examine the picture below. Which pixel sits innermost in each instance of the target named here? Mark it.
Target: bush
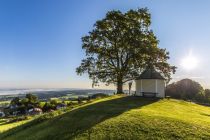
(187, 89)
(48, 106)
(55, 101)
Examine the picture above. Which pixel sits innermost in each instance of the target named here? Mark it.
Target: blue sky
(40, 40)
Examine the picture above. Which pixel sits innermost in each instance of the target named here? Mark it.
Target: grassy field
(4, 103)
(120, 117)
(4, 125)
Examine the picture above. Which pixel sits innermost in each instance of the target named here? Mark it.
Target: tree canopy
(184, 89)
(120, 47)
(32, 98)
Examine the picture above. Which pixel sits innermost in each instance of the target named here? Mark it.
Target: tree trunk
(119, 87)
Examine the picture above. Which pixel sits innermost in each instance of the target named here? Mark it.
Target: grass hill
(121, 117)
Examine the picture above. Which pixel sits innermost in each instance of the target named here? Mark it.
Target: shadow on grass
(204, 114)
(75, 122)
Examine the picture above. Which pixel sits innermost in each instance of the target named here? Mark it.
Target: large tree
(185, 89)
(120, 47)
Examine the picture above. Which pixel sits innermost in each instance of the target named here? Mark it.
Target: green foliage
(48, 106)
(188, 90)
(207, 93)
(55, 101)
(22, 105)
(120, 47)
(15, 101)
(32, 99)
(72, 103)
(66, 102)
(51, 105)
(25, 101)
(41, 104)
(184, 89)
(29, 99)
(118, 117)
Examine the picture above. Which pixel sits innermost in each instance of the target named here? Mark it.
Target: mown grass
(119, 117)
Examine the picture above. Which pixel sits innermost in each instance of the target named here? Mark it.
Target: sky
(40, 40)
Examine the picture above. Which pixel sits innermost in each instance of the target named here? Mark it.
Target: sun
(190, 62)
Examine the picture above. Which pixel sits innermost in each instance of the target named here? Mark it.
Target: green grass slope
(119, 117)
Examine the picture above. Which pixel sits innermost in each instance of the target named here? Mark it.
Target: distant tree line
(188, 89)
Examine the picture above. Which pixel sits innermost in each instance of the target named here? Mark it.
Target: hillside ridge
(121, 117)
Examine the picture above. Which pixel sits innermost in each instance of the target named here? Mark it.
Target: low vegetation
(31, 105)
(120, 117)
